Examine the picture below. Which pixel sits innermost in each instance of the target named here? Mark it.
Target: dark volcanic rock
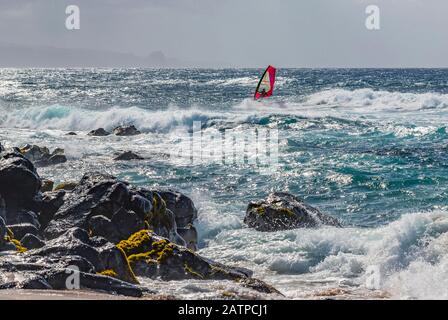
(20, 230)
(141, 203)
(71, 133)
(145, 249)
(95, 194)
(127, 209)
(103, 227)
(48, 205)
(190, 235)
(67, 186)
(100, 253)
(77, 230)
(19, 181)
(283, 211)
(2, 208)
(92, 259)
(155, 257)
(41, 156)
(127, 223)
(21, 216)
(98, 133)
(185, 213)
(56, 159)
(57, 280)
(162, 221)
(121, 226)
(31, 241)
(3, 231)
(128, 155)
(126, 131)
(182, 206)
(47, 185)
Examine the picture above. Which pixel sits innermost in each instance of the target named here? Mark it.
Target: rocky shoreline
(111, 234)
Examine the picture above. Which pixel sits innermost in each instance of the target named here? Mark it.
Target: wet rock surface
(126, 131)
(107, 231)
(100, 132)
(128, 155)
(283, 211)
(42, 157)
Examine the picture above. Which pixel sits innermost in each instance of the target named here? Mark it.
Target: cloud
(318, 33)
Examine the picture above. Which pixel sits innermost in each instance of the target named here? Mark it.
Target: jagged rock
(56, 159)
(152, 256)
(162, 221)
(47, 206)
(47, 185)
(57, 280)
(19, 181)
(128, 155)
(140, 203)
(190, 235)
(182, 206)
(95, 194)
(100, 253)
(98, 133)
(127, 223)
(41, 156)
(20, 230)
(3, 231)
(100, 265)
(185, 213)
(31, 241)
(21, 216)
(102, 195)
(123, 224)
(67, 186)
(126, 131)
(103, 227)
(283, 211)
(2, 208)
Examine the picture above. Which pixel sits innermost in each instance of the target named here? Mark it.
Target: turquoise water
(367, 146)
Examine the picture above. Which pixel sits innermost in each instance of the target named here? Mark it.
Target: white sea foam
(379, 99)
(74, 118)
(411, 253)
(350, 105)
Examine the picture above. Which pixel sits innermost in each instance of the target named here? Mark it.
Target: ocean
(368, 146)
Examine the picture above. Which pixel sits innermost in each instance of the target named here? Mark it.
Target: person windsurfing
(265, 87)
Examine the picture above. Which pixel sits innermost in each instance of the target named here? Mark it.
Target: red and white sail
(265, 87)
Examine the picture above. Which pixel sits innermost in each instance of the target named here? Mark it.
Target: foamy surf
(366, 147)
(410, 254)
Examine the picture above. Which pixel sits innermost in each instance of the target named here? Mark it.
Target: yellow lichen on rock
(19, 247)
(109, 273)
(135, 243)
(67, 186)
(189, 270)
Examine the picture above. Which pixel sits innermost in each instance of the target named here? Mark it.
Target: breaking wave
(410, 253)
(379, 99)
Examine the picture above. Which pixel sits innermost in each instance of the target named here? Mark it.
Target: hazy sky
(252, 33)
